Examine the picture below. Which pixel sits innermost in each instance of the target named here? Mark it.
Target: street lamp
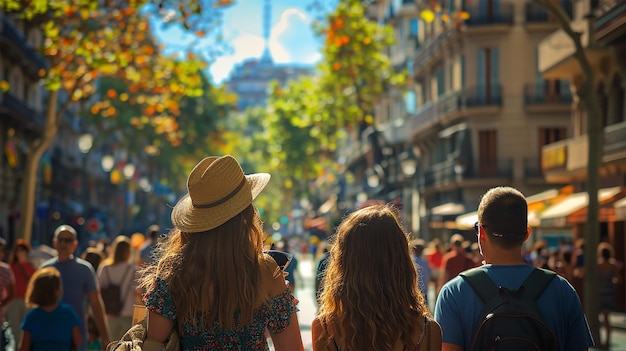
(85, 142)
(107, 163)
(408, 164)
(373, 180)
(129, 171)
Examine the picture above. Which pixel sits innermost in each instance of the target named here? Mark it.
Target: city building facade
(476, 112)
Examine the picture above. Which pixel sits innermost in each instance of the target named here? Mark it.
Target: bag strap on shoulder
(481, 283)
(536, 282)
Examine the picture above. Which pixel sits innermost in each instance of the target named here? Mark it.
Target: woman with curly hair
(370, 299)
(212, 281)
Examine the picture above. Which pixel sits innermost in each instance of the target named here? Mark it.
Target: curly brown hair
(370, 298)
(214, 273)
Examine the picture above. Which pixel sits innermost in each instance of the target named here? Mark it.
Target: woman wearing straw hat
(212, 281)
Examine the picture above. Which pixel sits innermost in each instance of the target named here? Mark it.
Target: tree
(85, 40)
(306, 120)
(355, 71)
(198, 131)
(595, 134)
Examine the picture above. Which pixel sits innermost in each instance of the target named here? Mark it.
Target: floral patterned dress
(274, 316)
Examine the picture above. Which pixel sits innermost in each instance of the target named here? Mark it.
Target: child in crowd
(94, 343)
(51, 325)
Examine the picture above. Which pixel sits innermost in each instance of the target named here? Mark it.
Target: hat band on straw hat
(224, 199)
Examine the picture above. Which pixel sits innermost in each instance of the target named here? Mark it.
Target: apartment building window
(488, 75)
(413, 27)
(410, 101)
(487, 153)
(462, 59)
(441, 82)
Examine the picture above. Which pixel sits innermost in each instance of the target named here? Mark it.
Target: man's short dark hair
(153, 232)
(503, 214)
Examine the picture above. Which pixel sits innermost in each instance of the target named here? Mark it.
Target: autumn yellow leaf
(4, 86)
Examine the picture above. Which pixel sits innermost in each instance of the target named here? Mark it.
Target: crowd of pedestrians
(208, 284)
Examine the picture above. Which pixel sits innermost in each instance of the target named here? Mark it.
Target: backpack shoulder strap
(536, 282)
(481, 283)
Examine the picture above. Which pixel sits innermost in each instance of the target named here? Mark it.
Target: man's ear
(527, 233)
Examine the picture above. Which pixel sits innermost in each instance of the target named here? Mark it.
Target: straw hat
(217, 191)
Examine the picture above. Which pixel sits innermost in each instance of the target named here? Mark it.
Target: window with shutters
(487, 153)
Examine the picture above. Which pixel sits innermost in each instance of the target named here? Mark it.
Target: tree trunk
(33, 156)
(592, 230)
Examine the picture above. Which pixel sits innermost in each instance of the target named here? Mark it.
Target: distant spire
(267, 24)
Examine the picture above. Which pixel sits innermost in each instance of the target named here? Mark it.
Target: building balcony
(538, 97)
(21, 113)
(14, 42)
(536, 14)
(556, 52)
(490, 19)
(473, 101)
(532, 168)
(452, 174)
(610, 23)
(567, 159)
(408, 8)
(431, 50)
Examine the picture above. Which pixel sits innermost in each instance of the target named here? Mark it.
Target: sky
(292, 40)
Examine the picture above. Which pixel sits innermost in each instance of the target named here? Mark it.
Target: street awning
(448, 209)
(536, 203)
(620, 209)
(466, 221)
(556, 215)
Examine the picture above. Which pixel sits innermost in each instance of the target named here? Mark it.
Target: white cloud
(244, 47)
(292, 39)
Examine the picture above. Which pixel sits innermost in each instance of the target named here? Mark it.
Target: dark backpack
(112, 294)
(510, 319)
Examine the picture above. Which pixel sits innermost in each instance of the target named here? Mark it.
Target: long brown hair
(214, 273)
(370, 298)
(120, 251)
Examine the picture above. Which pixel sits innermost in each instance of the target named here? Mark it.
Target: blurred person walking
(422, 267)
(455, 261)
(80, 285)
(22, 271)
(146, 250)
(119, 271)
(7, 292)
(608, 279)
(52, 324)
(212, 281)
(370, 299)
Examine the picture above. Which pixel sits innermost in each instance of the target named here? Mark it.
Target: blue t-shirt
(51, 330)
(274, 316)
(458, 308)
(78, 279)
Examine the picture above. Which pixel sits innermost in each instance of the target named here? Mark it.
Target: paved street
(305, 294)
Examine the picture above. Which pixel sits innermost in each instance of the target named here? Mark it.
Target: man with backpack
(497, 306)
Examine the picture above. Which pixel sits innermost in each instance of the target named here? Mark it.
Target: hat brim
(190, 219)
